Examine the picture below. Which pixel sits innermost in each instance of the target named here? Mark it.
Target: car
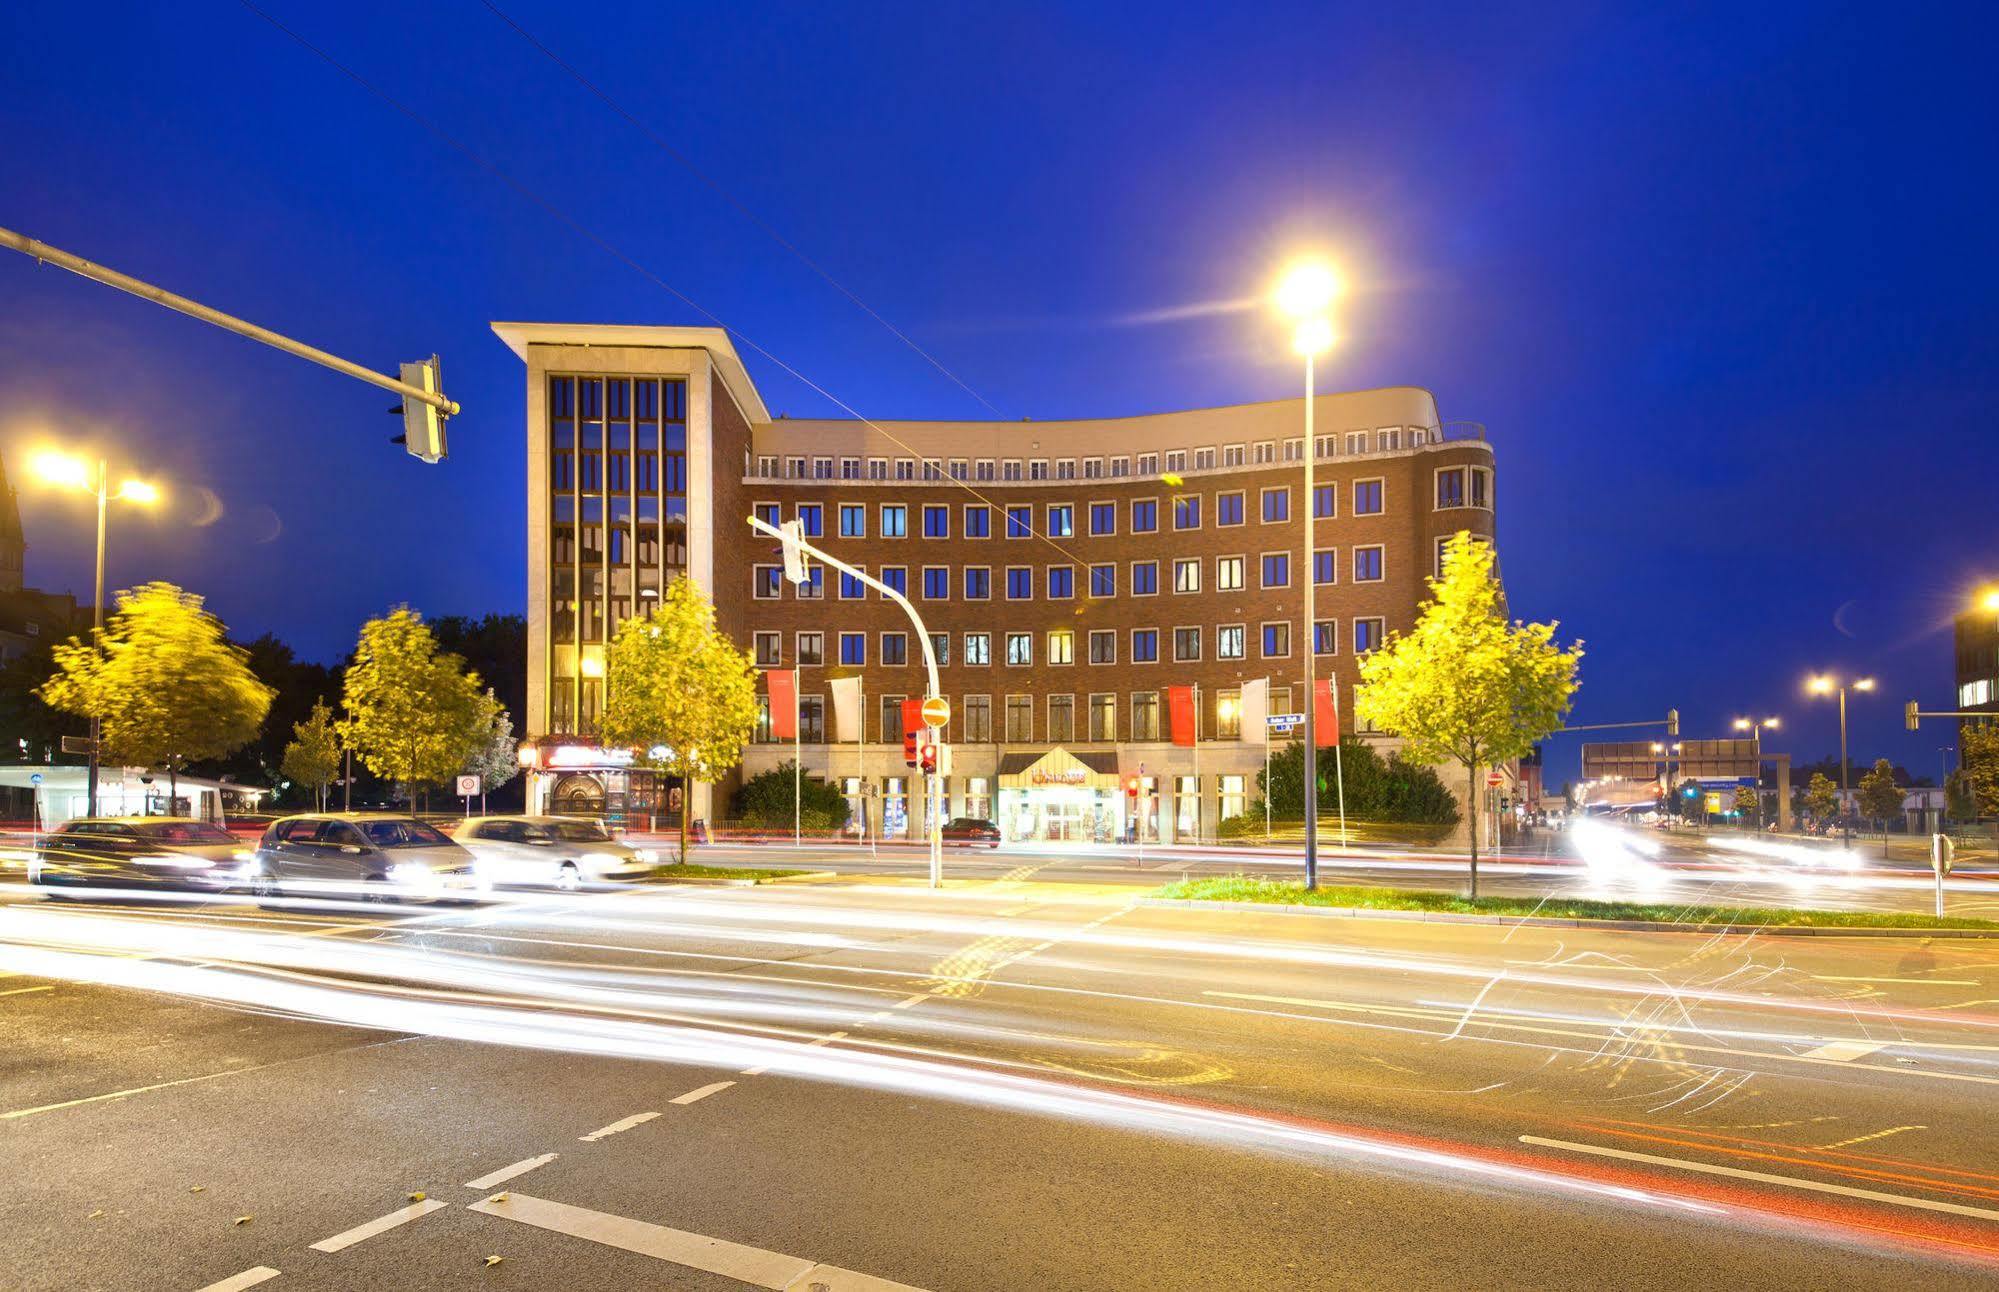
(549, 851)
(377, 856)
(140, 852)
(971, 831)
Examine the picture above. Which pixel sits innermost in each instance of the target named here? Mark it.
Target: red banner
(1325, 714)
(1180, 713)
(783, 686)
(912, 717)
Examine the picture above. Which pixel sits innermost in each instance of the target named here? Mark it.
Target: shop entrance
(1059, 797)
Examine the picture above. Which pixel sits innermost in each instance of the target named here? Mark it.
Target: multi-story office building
(1976, 639)
(1067, 573)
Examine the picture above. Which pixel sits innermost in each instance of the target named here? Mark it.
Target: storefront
(1060, 796)
(568, 777)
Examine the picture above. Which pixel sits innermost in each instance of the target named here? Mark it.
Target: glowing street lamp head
(1743, 724)
(1864, 684)
(62, 469)
(1772, 723)
(1820, 685)
(138, 491)
(1307, 289)
(1989, 599)
(1313, 338)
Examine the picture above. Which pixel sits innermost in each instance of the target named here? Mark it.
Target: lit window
(1061, 646)
(1187, 574)
(978, 648)
(1228, 642)
(1020, 648)
(895, 520)
(1062, 520)
(853, 520)
(1228, 574)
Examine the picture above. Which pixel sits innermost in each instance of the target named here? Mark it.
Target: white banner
(847, 719)
(1256, 708)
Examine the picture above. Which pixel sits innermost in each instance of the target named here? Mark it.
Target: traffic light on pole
(793, 533)
(423, 425)
(1910, 716)
(926, 757)
(912, 725)
(1672, 722)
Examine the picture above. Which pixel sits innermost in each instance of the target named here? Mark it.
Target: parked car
(140, 852)
(971, 831)
(375, 856)
(549, 851)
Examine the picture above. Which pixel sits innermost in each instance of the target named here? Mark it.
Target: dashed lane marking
(623, 1124)
(1843, 1051)
(753, 1265)
(507, 1173)
(694, 1096)
(381, 1224)
(237, 1282)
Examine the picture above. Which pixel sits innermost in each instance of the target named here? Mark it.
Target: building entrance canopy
(1057, 768)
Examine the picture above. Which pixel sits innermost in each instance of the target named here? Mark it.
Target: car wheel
(264, 886)
(568, 878)
(376, 889)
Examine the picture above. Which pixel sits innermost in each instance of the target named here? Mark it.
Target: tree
(1821, 800)
(1749, 806)
(1880, 797)
(1465, 685)
(414, 714)
(766, 798)
(1978, 766)
(27, 722)
(312, 757)
(679, 693)
(496, 760)
(163, 683)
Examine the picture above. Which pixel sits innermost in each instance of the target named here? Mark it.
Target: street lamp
(1304, 294)
(1755, 726)
(1827, 684)
(67, 471)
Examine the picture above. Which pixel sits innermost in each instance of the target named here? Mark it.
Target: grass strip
(695, 870)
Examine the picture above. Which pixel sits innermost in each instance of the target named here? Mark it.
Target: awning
(1058, 768)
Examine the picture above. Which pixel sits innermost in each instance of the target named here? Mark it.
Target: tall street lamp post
(1305, 293)
(70, 472)
(1826, 684)
(1755, 727)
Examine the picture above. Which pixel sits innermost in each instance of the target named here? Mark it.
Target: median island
(669, 871)
(1247, 889)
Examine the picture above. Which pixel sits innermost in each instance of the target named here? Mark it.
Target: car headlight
(411, 872)
(169, 861)
(645, 856)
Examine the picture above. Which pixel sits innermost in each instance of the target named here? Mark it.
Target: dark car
(141, 852)
(971, 831)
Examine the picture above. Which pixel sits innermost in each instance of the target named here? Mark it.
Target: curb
(725, 881)
(1556, 922)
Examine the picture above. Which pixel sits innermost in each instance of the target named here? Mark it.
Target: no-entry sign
(936, 711)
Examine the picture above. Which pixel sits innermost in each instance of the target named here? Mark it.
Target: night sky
(1720, 281)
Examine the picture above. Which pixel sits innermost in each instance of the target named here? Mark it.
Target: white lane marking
(1919, 982)
(753, 1265)
(827, 1039)
(381, 1224)
(1792, 1182)
(1842, 1051)
(623, 1124)
(693, 1096)
(507, 1173)
(237, 1282)
(754, 1072)
(917, 999)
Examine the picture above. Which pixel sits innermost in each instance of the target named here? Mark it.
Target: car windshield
(189, 832)
(581, 832)
(402, 834)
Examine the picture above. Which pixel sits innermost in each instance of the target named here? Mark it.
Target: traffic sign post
(1942, 853)
(468, 789)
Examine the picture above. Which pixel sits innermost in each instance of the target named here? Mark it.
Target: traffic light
(1672, 722)
(1910, 716)
(926, 758)
(792, 534)
(423, 425)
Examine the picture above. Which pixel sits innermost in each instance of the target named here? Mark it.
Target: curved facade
(1067, 573)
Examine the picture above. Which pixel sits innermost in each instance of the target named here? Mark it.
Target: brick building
(1068, 573)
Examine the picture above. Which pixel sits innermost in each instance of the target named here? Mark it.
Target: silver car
(140, 852)
(373, 856)
(549, 851)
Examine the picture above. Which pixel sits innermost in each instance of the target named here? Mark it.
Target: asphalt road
(1008, 1084)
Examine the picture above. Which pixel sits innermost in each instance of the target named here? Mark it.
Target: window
(1019, 583)
(769, 513)
(1325, 501)
(1144, 578)
(1103, 717)
(1019, 521)
(1232, 455)
(812, 719)
(1019, 649)
(1276, 569)
(978, 648)
(1145, 516)
(1228, 717)
(1204, 459)
(978, 520)
(1367, 635)
(1093, 468)
(1228, 574)
(982, 469)
(1120, 467)
(853, 520)
(1276, 506)
(1065, 468)
(1148, 464)
(811, 649)
(936, 521)
(811, 519)
(933, 469)
(1020, 719)
(1176, 460)
(764, 581)
(877, 468)
(850, 468)
(1481, 487)
(1326, 637)
(1062, 520)
(1061, 582)
(1037, 469)
(1326, 565)
(1228, 510)
(822, 468)
(1356, 442)
(767, 467)
(1187, 574)
(1103, 580)
(1276, 641)
(1010, 469)
(1228, 642)
(1450, 487)
(1061, 646)
(854, 649)
(1145, 715)
(1367, 497)
(1061, 718)
(905, 468)
(1264, 451)
(978, 719)
(1235, 796)
(795, 468)
(1975, 693)
(1187, 511)
(895, 648)
(936, 582)
(1103, 646)
(851, 588)
(1145, 645)
(895, 520)
(896, 577)
(978, 583)
(1186, 644)
(770, 649)
(940, 646)
(814, 587)
(1103, 518)
(1367, 564)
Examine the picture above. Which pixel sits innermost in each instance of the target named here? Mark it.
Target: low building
(38, 796)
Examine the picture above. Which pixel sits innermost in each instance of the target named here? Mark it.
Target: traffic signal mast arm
(42, 251)
(1671, 722)
(1914, 716)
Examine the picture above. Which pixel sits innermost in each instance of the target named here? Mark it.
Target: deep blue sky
(1720, 281)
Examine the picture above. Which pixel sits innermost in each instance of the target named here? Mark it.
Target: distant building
(1978, 662)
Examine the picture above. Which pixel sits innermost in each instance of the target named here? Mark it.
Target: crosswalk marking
(1841, 1051)
(378, 1225)
(507, 1173)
